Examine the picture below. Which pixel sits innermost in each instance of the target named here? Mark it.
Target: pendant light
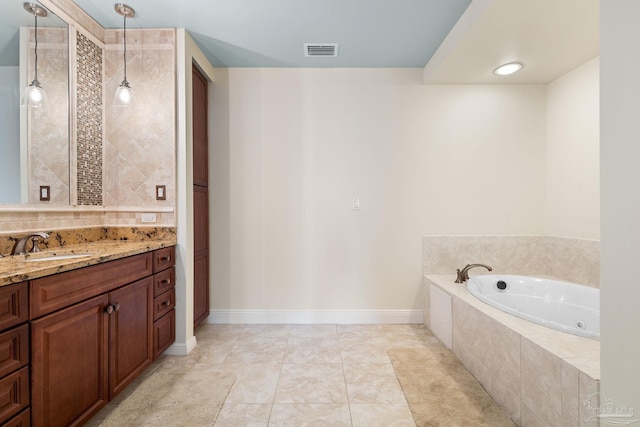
(33, 95)
(124, 93)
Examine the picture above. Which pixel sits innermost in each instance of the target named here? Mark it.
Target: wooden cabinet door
(130, 333)
(200, 129)
(201, 255)
(69, 364)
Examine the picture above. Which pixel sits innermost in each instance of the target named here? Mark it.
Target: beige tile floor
(276, 375)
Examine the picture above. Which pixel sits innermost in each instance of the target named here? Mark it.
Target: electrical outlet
(148, 217)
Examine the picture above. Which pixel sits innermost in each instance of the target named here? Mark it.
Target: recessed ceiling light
(506, 69)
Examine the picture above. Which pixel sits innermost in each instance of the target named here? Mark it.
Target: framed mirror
(34, 143)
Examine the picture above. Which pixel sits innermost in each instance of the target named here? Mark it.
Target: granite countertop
(18, 268)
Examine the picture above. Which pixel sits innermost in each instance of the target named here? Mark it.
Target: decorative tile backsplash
(48, 130)
(89, 121)
(140, 139)
(574, 260)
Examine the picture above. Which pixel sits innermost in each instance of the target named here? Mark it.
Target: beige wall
(422, 160)
(573, 154)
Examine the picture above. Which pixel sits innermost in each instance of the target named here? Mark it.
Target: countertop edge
(16, 269)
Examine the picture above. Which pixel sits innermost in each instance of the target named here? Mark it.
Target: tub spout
(463, 275)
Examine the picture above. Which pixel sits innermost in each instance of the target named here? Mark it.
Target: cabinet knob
(116, 307)
(164, 258)
(166, 303)
(165, 282)
(108, 309)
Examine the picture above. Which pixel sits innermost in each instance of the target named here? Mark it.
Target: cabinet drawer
(164, 333)
(14, 349)
(61, 290)
(162, 304)
(163, 258)
(14, 305)
(164, 281)
(23, 419)
(14, 393)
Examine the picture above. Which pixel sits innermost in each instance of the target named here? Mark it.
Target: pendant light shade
(124, 93)
(34, 95)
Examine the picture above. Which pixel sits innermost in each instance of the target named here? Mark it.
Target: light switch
(161, 192)
(45, 193)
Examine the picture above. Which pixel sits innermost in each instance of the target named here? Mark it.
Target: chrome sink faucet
(20, 247)
(463, 275)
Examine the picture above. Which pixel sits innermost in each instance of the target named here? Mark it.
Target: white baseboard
(301, 317)
(181, 349)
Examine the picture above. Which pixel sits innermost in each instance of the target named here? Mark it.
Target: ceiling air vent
(321, 49)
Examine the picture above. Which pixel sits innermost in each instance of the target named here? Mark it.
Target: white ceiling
(550, 37)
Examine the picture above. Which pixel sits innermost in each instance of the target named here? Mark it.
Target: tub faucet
(20, 247)
(463, 275)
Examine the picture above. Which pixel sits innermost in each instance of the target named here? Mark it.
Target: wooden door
(130, 333)
(69, 364)
(200, 198)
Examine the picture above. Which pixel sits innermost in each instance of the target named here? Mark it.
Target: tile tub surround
(538, 375)
(573, 260)
(75, 236)
(15, 269)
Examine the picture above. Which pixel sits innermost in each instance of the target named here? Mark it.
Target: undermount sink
(57, 257)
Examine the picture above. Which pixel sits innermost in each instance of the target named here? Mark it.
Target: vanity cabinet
(14, 354)
(86, 351)
(164, 301)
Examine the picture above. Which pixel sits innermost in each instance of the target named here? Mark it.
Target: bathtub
(564, 306)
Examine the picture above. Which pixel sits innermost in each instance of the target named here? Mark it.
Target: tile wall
(48, 130)
(140, 139)
(573, 260)
(139, 145)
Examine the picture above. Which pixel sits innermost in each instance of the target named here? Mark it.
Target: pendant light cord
(125, 45)
(36, 49)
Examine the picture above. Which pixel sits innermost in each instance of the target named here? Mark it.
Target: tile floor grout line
(346, 387)
(224, 401)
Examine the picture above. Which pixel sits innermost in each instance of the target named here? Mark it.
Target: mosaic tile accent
(89, 121)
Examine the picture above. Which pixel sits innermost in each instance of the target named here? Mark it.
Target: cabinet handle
(165, 282)
(108, 309)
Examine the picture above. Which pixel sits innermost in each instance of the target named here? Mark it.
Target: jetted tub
(564, 306)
